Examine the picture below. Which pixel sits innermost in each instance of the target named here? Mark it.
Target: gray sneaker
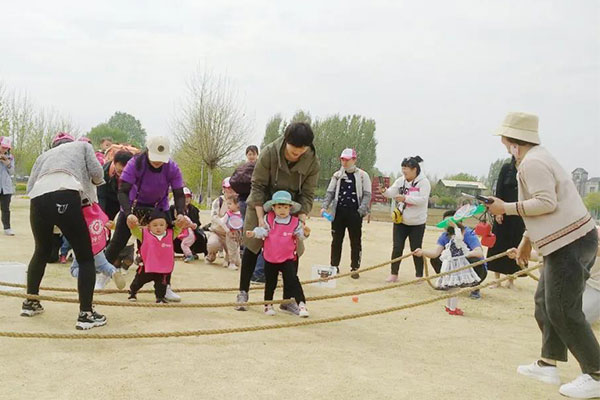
(291, 308)
(242, 297)
(9, 232)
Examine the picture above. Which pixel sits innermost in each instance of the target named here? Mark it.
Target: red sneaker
(456, 311)
(447, 309)
(63, 259)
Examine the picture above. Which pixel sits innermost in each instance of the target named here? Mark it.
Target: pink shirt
(158, 254)
(280, 245)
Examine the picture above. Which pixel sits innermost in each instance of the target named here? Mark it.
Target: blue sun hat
(282, 197)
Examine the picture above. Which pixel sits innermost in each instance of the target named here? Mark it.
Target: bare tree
(211, 126)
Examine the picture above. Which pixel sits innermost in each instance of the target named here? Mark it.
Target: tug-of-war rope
(207, 332)
(257, 303)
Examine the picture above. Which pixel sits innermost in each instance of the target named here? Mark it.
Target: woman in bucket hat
(281, 232)
(349, 194)
(7, 189)
(290, 163)
(558, 226)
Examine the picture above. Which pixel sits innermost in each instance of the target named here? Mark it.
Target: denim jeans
(259, 270)
(558, 304)
(65, 247)
(100, 262)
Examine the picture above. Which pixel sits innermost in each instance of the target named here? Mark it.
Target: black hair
(413, 162)
(519, 142)
(299, 134)
(140, 159)
(157, 213)
(61, 141)
(252, 148)
(122, 157)
(450, 229)
(104, 139)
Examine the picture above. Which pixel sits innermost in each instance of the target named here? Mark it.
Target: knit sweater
(76, 159)
(553, 211)
(414, 208)
(363, 191)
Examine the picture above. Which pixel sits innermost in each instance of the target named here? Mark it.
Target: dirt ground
(421, 353)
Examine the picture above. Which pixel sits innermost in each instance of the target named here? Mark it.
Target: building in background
(584, 184)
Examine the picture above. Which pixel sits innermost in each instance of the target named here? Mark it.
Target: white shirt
(54, 182)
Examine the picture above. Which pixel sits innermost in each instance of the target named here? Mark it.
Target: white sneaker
(584, 387)
(544, 374)
(233, 267)
(303, 312)
(9, 232)
(172, 296)
(225, 264)
(101, 281)
(269, 310)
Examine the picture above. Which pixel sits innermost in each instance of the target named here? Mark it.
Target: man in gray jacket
(349, 195)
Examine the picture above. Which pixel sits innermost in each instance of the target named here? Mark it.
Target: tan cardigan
(553, 211)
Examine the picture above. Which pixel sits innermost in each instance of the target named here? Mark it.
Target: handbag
(397, 217)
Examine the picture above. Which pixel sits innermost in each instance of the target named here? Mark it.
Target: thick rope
(207, 332)
(198, 290)
(235, 304)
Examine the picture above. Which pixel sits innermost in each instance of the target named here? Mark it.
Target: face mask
(514, 150)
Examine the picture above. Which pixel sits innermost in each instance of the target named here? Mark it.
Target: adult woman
(507, 228)
(411, 193)
(145, 184)
(216, 237)
(60, 180)
(560, 228)
(7, 189)
(108, 193)
(289, 163)
(349, 194)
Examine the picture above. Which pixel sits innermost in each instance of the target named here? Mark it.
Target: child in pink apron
(158, 254)
(281, 232)
(98, 225)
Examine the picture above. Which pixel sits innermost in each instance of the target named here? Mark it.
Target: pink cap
(348, 154)
(5, 142)
(62, 136)
(226, 183)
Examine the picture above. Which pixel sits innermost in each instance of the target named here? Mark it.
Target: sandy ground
(420, 353)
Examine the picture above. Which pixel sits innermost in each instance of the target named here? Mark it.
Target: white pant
(591, 304)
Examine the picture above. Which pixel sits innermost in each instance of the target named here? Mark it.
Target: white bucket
(324, 271)
(12, 272)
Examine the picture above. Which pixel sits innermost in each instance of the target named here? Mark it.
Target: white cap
(187, 191)
(159, 149)
(348, 154)
(5, 142)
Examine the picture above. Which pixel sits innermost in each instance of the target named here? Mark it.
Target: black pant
(119, 239)
(346, 218)
(249, 263)
(5, 207)
(415, 235)
(142, 277)
(63, 209)
(291, 283)
(558, 304)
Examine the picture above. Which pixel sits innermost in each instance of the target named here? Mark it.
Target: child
(280, 232)
(158, 255)
(453, 252)
(98, 228)
(231, 224)
(187, 236)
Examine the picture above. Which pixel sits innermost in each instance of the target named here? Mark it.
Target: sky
(438, 77)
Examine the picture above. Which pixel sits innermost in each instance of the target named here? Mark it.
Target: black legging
(63, 209)
(415, 235)
(291, 284)
(119, 239)
(5, 207)
(249, 263)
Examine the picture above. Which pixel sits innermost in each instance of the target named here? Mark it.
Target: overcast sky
(437, 76)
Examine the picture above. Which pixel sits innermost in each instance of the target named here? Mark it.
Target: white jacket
(414, 207)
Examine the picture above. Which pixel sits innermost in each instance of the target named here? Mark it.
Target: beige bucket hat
(521, 126)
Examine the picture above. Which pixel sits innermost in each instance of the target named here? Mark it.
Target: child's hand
(400, 198)
(110, 225)
(452, 223)
(132, 221)
(194, 226)
(306, 230)
(418, 252)
(250, 234)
